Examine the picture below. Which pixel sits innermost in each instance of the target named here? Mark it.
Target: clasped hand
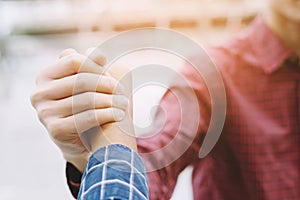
(83, 106)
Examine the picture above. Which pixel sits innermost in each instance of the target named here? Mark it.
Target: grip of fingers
(67, 52)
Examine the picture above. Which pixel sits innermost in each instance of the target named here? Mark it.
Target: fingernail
(121, 101)
(119, 114)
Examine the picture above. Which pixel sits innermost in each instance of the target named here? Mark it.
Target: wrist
(113, 134)
(79, 161)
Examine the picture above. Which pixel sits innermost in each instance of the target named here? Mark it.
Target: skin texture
(80, 104)
(65, 90)
(283, 17)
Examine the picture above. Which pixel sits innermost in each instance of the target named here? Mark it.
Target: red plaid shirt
(258, 153)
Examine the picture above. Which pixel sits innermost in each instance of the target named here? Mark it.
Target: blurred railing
(57, 16)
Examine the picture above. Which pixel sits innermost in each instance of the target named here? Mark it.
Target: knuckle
(33, 99)
(66, 51)
(44, 112)
(55, 129)
(75, 60)
(37, 96)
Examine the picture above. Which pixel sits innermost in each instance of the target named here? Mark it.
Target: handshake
(84, 106)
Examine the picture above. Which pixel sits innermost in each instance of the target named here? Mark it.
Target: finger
(91, 118)
(67, 52)
(76, 84)
(96, 55)
(88, 101)
(69, 65)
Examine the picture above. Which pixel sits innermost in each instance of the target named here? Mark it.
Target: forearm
(174, 144)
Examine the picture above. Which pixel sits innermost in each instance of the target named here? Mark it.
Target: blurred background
(32, 33)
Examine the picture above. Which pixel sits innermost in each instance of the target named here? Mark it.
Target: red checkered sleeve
(173, 145)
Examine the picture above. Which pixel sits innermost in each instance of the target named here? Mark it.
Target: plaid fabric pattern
(258, 154)
(114, 172)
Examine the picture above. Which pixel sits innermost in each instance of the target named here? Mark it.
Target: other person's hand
(75, 95)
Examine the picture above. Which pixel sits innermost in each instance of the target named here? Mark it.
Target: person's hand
(121, 131)
(74, 95)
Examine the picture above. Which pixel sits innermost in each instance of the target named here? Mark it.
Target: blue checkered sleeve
(114, 172)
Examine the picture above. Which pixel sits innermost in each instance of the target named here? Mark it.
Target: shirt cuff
(73, 179)
(114, 171)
